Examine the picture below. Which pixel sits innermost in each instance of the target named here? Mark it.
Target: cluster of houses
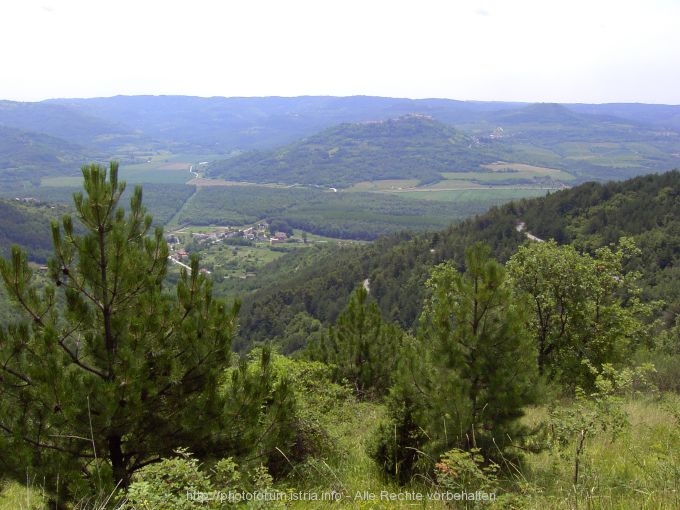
(255, 233)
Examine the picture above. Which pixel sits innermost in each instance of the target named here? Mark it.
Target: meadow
(637, 467)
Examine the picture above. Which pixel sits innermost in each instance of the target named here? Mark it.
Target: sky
(567, 51)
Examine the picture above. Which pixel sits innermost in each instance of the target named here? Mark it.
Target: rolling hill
(70, 124)
(27, 223)
(410, 147)
(593, 143)
(26, 156)
(587, 146)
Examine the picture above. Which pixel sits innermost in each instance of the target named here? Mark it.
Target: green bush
(181, 483)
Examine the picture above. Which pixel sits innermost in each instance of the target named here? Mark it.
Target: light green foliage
(301, 331)
(362, 348)
(274, 406)
(585, 308)
(14, 496)
(466, 471)
(109, 371)
(600, 411)
(182, 483)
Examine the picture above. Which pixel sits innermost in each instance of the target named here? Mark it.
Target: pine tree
(473, 327)
(468, 375)
(110, 372)
(362, 348)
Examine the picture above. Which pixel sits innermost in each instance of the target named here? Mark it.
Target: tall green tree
(472, 370)
(586, 309)
(361, 346)
(473, 327)
(110, 371)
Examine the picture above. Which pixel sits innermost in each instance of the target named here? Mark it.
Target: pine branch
(76, 360)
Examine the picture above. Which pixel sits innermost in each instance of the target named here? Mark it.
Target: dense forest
(589, 216)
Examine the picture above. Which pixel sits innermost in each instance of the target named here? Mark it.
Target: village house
(278, 237)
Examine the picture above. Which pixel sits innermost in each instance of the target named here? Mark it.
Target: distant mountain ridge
(633, 139)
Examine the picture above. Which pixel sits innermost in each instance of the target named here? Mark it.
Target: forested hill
(409, 147)
(26, 156)
(26, 222)
(589, 216)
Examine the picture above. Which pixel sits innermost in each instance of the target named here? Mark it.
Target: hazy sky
(512, 50)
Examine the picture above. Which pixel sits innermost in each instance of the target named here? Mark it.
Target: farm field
(503, 182)
(524, 171)
(162, 168)
(474, 197)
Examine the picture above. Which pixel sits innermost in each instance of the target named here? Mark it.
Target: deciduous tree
(585, 308)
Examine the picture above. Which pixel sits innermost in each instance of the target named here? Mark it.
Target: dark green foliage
(164, 200)
(399, 443)
(592, 216)
(27, 224)
(108, 372)
(361, 347)
(473, 370)
(397, 267)
(260, 414)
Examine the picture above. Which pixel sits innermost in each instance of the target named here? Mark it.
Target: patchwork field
(162, 168)
(501, 183)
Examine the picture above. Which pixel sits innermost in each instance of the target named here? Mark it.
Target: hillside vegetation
(589, 216)
(412, 147)
(359, 216)
(27, 224)
(343, 329)
(474, 360)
